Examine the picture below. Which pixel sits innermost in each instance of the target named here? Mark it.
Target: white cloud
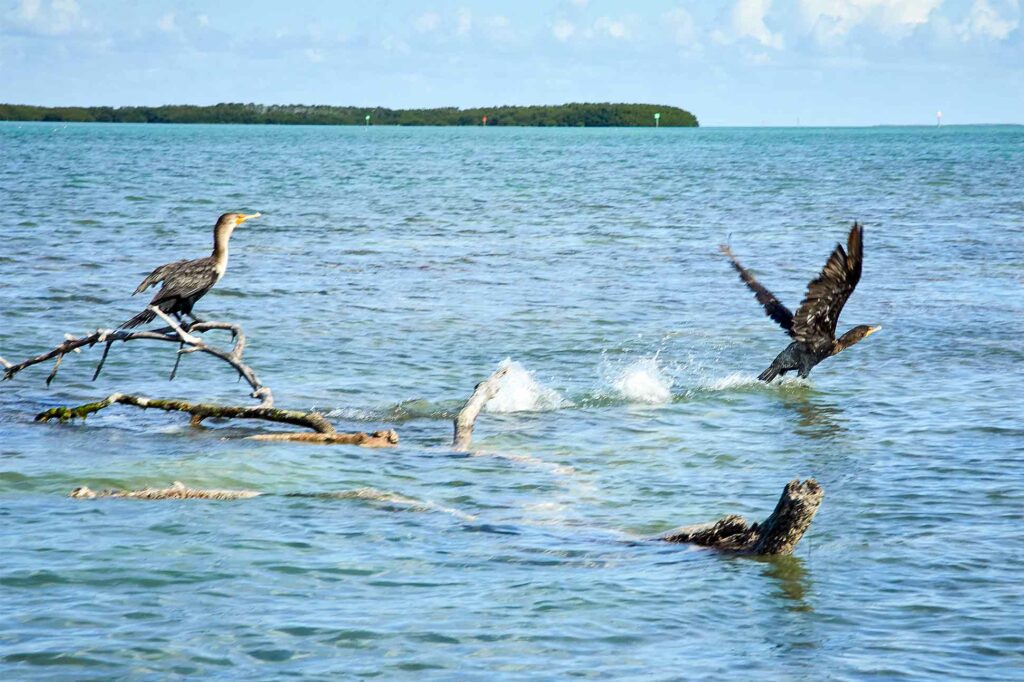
(611, 28)
(580, 3)
(684, 30)
(57, 17)
(28, 10)
(832, 20)
(563, 30)
(203, 20)
(498, 27)
(314, 55)
(983, 21)
(748, 22)
(428, 22)
(166, 22)
(463, 21)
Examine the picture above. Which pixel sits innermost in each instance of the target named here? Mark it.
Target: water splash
(740, 381)
(520, 391)
(644, 381)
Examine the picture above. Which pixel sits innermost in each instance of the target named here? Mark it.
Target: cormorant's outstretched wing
(772, 306)
(816, 319)
(158, 275)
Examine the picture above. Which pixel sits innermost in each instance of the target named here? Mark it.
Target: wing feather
(773, 308)
(188, 279)
(816, 319)
(157, 276)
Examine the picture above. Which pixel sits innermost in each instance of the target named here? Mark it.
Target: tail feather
(142, 318)
(769, 374)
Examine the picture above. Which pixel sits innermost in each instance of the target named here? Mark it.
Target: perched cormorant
(813, 328)
(186, 281)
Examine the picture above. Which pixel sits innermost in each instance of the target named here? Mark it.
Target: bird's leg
(177, 361)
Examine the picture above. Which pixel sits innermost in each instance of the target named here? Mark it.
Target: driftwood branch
(325, 432)
(187, 337)
(199, 411)
(778, 534)
(466, 419)
(377, 439)
(177, 491)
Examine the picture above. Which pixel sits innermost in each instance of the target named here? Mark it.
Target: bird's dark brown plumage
(813, 327)
(186, 281)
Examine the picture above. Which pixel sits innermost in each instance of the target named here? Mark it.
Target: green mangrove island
(576, 115)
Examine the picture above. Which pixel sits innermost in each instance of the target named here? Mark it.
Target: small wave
(407, 410)
(519, 391)
(644, 381)
(530, 460)
(740, 381)
(396, 501)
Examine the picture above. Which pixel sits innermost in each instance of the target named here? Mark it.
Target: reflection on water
(816, 417)
(791, 577)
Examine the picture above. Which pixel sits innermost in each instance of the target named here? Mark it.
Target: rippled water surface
(395, 268)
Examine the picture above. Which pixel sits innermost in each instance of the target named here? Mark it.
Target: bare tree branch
(188, 338)
(466, 419)
(177, 491)
(377, 439)
(778, 534)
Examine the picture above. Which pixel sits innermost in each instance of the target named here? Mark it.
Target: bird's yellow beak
(872, 330)
(242, 217)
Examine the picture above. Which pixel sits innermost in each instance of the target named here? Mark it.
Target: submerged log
(466, 419)
(325, 432)
(377, 439)
(177, 491)
(778, 534)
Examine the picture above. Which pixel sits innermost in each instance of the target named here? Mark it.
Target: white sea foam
(731, 381)
(738, 380)
(644, 381)
(519, 391)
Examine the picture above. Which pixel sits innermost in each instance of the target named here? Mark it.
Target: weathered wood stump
(778, 534)
(466, 419)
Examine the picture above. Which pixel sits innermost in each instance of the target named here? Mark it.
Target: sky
(731, 62)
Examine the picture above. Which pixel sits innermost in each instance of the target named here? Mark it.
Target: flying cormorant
(813, 328)
(186, 281)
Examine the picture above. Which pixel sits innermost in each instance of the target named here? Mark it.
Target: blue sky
(732, 62)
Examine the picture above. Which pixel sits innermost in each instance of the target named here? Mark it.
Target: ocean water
(395, 268)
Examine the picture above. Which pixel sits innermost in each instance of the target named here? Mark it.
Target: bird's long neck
(220, 250)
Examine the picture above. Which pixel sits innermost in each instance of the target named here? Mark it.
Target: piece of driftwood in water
(187, 337)
(778, 534)
(377, 439)
(177, 491)
(324, 431)
(466, 419)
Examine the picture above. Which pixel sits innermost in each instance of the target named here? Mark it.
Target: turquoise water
(392, 270)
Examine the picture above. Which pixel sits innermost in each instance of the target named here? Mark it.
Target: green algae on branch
(325, 432)
(586, 114)
(199, 411)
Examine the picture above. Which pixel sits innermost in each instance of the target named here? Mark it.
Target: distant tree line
(576, 115)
